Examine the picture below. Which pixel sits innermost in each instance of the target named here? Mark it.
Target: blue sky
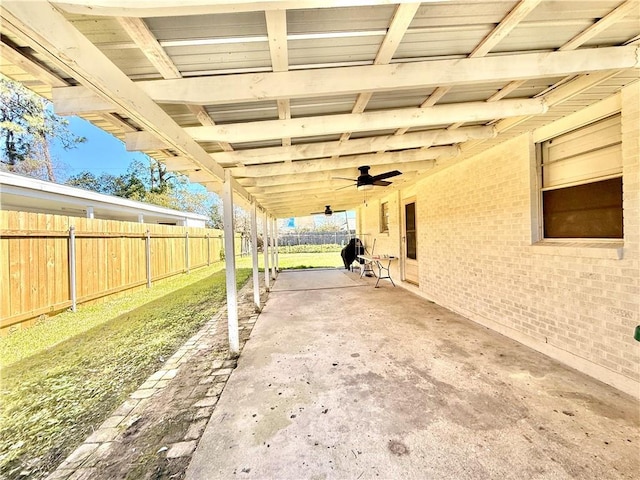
(101, 153)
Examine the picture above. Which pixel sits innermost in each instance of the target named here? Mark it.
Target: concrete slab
(363, 383)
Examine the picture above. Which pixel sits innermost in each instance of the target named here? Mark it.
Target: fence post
(186, 250)
(72, 267)
(147, 248)
(208, 249)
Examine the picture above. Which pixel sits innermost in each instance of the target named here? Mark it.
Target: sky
(101, 153)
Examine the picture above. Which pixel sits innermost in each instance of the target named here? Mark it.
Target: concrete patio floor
(341, 380)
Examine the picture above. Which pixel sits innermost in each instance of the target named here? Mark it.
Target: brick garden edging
(83, 463)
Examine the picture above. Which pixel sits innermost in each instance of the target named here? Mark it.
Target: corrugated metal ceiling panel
(345, 19)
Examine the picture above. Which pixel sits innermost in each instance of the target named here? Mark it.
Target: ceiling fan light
(366, 186)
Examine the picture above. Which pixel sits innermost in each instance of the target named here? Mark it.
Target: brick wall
(579, 303)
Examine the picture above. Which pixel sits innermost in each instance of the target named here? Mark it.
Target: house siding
(478, 256)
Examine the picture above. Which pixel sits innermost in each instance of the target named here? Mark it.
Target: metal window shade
(585, 154)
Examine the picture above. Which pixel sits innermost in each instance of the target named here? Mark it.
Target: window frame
(383, 217)
(540, 188)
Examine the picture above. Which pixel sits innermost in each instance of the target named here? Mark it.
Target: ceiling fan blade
(346, 186)
(344, 178)
(382, 176)
(381, 183)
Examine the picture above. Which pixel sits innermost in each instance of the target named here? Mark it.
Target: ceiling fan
(365, 181)
(327, 211)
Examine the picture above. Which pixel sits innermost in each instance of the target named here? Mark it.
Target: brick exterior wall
(478, 256)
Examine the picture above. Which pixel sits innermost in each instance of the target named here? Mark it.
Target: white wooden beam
(367, 121)
(253, 87)
(79, 100)
(320, 165)
(353, 146)
(508, 23)
(277, 34)
(630, 6)
(179, 164)
(113, 8)
(141, 141)
(398, 26)
(51, 35)
(147, 42)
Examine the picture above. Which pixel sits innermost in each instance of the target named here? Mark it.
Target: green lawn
(298, 260)
(52, 400)
(63, 377)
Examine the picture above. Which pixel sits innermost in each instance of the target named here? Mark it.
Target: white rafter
(277, 33)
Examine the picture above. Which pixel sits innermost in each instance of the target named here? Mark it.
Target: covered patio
(342, 380)
(435, 122)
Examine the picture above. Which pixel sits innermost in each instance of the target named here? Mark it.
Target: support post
(265, 249)
(254, 255)
(230, 265)
(273, 250)
(147, 248)
(72, 268)
(275, 223)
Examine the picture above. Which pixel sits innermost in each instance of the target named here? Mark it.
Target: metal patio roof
(287, 95)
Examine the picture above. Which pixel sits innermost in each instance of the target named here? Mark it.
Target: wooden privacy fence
(49, 262)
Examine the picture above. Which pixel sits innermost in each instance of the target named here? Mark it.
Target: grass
(27, 342)
(52, 400)
(63, 377)
(288, 261)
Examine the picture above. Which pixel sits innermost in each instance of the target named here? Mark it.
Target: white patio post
(254, 255)
(265, 249)
(273, 249)
(276, 237)
(230, 264)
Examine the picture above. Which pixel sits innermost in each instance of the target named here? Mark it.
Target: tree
(27, 128)
(215, 216)
(86, 180)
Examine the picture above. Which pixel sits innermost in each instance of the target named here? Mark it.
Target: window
(384, 217)
(581, 175)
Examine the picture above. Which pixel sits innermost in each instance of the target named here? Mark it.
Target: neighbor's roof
(31, 194)
(284, 96)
